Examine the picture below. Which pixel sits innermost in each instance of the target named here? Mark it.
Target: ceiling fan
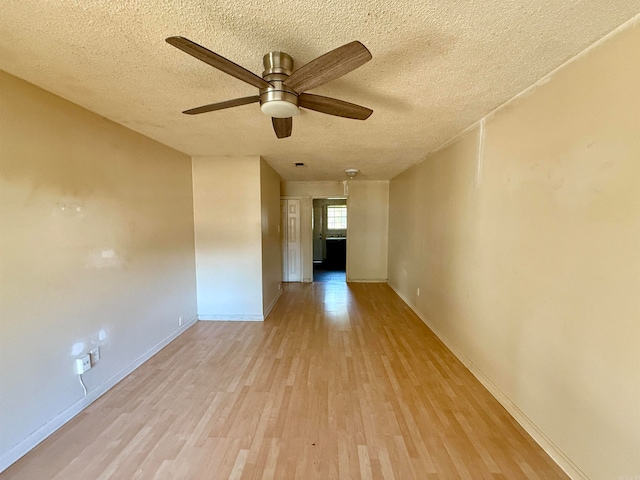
(281, 89)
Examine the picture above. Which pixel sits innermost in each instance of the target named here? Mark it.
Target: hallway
(342, 381)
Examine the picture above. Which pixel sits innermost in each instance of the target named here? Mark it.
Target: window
(336, 217)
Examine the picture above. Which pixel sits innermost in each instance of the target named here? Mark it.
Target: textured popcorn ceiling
(438, 66)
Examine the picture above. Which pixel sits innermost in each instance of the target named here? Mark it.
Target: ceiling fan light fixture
(278, 101)
(279, 109)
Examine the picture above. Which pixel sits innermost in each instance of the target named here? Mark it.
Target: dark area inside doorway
(323, 274)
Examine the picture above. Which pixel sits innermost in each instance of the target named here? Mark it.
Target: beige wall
(367, 225)
(226, 198)
(232, 227)
(313, 189)
(271, 248)
(96, 247)
(523, 237)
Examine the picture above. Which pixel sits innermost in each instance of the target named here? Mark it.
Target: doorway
(329, 223)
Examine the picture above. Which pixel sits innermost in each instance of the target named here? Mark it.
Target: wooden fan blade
(328, 67)
(221, 105)
(333, 106)
(216, 61)
(282, 126)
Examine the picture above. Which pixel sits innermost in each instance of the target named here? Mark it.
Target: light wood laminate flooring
(342, 381)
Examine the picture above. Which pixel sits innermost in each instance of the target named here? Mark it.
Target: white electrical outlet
(417, 292)
(95, 355)
(179, 321)
(83, 364)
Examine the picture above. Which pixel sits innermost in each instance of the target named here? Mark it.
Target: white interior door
(291, 244)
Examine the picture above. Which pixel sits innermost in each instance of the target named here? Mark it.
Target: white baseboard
(18, 451)
(570, 468)
(273, 304)
(367, 280)
(225, 317)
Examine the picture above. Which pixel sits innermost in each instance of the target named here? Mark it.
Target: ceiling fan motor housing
(278, 100)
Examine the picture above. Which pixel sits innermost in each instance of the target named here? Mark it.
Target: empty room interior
(424, 265)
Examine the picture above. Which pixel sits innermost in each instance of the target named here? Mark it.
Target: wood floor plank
(342, 381)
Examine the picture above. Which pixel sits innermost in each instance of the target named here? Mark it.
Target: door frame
(328, 197)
